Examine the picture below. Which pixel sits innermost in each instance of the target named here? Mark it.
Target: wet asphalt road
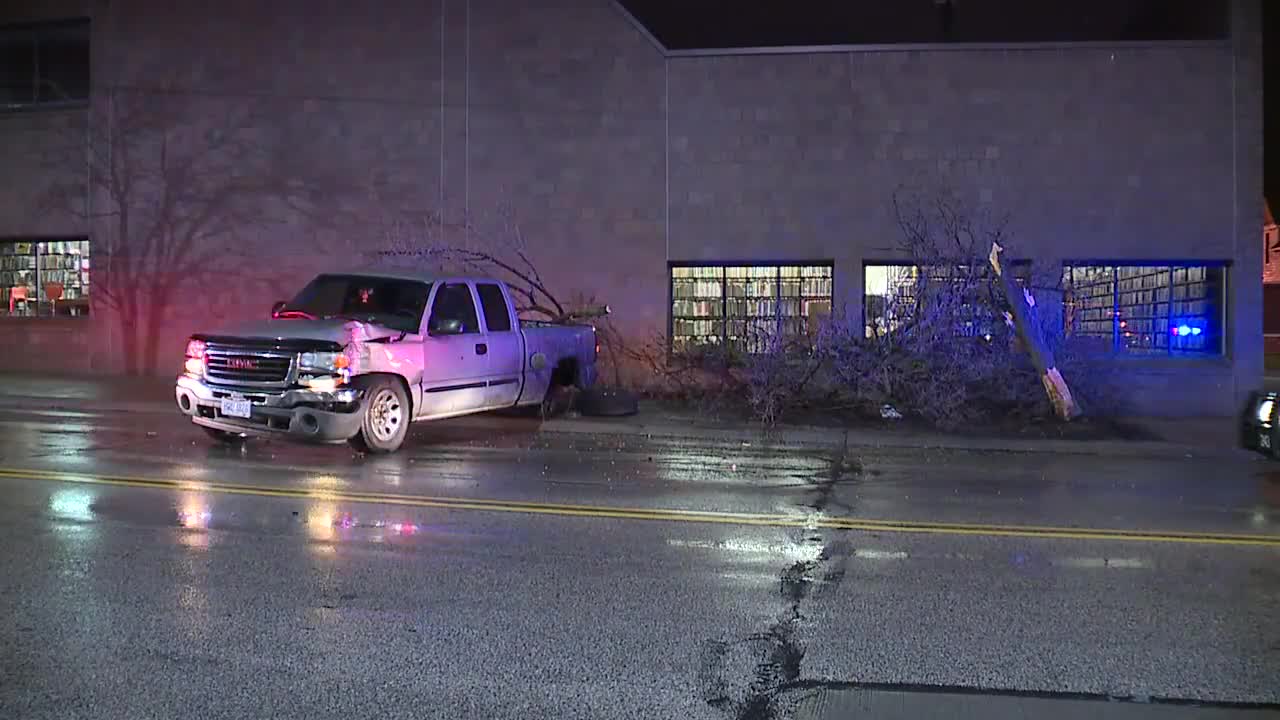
(486, 573)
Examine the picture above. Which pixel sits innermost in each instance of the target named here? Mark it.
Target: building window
(743, 307)
(44, 64)
(1147, 309)
(891, 292)
(42, 278)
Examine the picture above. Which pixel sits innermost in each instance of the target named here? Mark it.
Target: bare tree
(495, 246)
(172, 183)
(953, 291)
(966, 320)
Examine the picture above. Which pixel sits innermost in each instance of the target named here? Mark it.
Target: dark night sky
(684, 24)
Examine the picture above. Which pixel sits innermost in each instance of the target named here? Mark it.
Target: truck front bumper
(296, 414)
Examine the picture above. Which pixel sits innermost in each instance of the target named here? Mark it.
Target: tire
(608, 402)
(386, 418)
(224, 437)
(558, 400)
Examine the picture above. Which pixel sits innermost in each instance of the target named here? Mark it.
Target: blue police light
(1184, 330)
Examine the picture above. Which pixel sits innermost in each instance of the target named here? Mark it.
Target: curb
(828, 437)
(796, 436)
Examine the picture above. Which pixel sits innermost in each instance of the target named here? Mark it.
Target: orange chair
(53, 291)
(16, 293)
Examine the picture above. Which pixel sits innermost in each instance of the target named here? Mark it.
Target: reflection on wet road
(809, 519)
(492, 571)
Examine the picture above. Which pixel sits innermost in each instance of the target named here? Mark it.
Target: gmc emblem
(242, 363)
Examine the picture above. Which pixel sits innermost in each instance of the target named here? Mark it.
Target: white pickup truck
(356, 357)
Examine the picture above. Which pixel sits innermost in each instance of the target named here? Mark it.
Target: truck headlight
(324, 361)
(324, 371)
(330, 362)
(194, 364)
(1265, 409)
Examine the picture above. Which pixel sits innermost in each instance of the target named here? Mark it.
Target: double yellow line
(656, 514)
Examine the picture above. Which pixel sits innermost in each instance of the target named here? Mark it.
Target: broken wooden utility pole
(1023, 320)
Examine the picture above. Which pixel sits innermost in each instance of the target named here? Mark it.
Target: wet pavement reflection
(287, 581)
(511, 460)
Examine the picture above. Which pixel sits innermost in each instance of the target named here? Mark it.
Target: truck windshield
(394, 303)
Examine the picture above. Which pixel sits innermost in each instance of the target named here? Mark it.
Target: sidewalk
(1190, 437)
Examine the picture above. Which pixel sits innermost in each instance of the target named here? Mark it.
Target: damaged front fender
(373, 349)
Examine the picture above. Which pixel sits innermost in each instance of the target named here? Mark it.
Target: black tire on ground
(558, 400)
(608, 402)
(224, 437)
(386, 418)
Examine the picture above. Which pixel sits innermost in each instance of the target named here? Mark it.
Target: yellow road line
(658, 514)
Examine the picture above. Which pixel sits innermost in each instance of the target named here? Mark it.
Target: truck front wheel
(386, 418)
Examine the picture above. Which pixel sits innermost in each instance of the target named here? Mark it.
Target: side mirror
(277, 307)
(451, 326)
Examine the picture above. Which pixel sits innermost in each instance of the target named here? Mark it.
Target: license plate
(1264, 440)
(236, 407)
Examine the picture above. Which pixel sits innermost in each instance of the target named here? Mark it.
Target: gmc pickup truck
(357, 357)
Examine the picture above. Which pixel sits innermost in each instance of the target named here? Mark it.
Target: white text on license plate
(1264, 441)
(236, 407)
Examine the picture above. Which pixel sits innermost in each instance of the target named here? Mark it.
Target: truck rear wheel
(386, 418)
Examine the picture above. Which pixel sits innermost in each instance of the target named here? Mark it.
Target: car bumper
(1259, 423)
(294, 414)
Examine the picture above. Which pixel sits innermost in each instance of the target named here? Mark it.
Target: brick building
(250, 144)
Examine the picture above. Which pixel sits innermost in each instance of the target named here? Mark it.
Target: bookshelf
(1147, 309)
(28, 268)
(742, 306)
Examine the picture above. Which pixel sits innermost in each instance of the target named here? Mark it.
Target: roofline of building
(947, 47)
(909, 47)
(639, 26)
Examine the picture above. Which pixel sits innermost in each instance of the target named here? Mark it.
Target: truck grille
(247, 367)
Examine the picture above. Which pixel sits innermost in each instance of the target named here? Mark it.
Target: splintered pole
(1023, 319)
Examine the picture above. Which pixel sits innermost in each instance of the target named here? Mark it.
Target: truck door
(456, 366)
(506, 354)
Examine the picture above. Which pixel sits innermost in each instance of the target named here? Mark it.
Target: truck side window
(453, 312)
(496, 317)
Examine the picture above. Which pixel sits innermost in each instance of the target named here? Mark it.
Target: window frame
(33, 32)
(673, 265)
(501, 299)
(83, 285)
(441, 287)
(1022, 268)
(1169, 352)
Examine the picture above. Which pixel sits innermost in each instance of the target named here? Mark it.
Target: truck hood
(336, 330)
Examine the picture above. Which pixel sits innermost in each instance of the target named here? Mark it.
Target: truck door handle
(482, 349)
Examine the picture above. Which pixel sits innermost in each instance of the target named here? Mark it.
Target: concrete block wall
(31, 145)
(1092, 154)
(615, 159)
(478, 110)
(567, 129)
(1082, 148)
